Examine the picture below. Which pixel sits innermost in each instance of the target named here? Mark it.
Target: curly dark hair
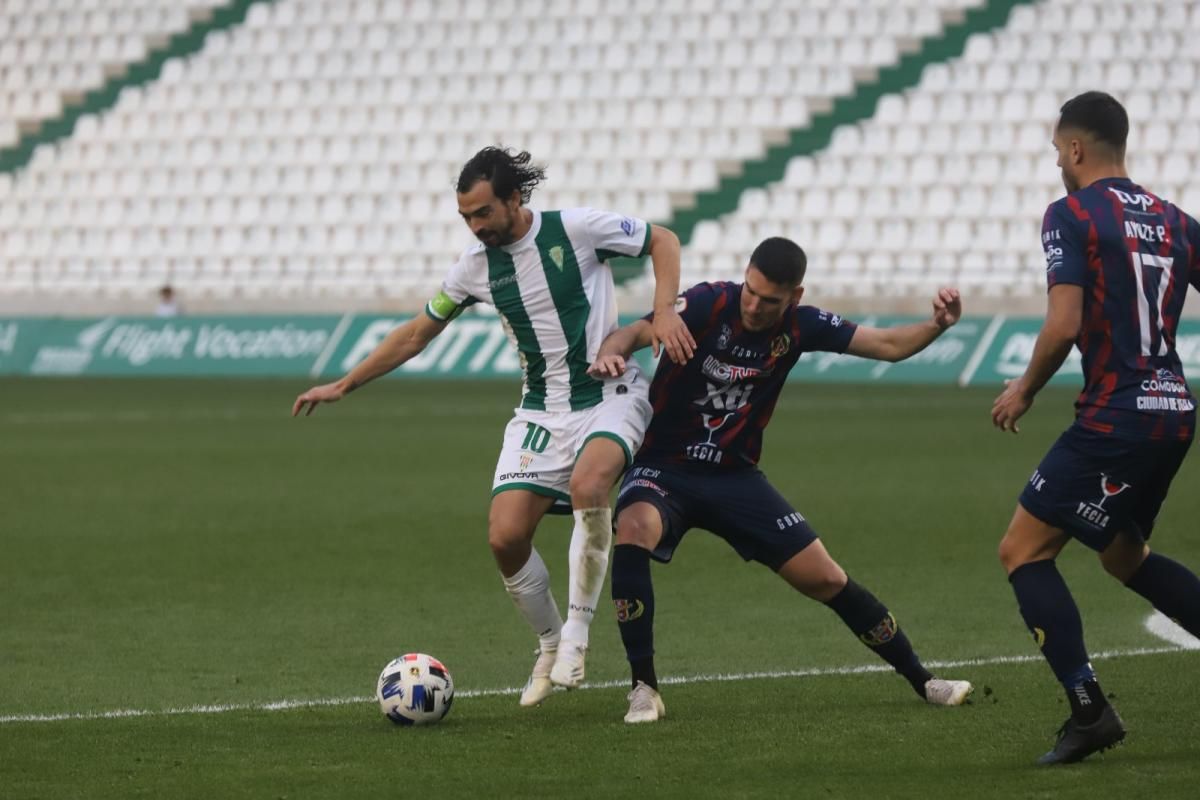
(505, 170)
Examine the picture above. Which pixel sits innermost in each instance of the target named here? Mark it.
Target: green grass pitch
(170, 544)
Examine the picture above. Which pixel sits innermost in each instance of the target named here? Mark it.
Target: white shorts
(540, 447)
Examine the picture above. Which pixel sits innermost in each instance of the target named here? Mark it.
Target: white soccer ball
(415, 689)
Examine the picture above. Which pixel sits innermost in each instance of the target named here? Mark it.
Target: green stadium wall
(979, 350)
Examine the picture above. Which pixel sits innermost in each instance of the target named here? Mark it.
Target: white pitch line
(719, 677)
(1168, 630)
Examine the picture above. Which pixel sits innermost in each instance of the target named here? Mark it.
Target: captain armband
(442, 308)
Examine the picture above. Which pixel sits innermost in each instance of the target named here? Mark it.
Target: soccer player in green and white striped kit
(572, 436)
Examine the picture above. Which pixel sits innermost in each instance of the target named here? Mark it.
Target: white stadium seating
(306, 158)
(52, 51)
(948, 182)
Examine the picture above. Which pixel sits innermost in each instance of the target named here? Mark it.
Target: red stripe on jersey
(1168, 324)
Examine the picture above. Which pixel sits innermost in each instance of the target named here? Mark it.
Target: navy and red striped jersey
(1134, 254)
(713, 409)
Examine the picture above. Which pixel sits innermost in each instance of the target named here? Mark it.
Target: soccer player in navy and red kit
(697, 465)
(1119, 261)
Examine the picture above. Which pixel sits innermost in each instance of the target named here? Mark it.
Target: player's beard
(498, 238)
(1069, 182)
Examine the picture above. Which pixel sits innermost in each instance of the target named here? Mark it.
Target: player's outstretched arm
(902, 341)
(618, 347)
(1064, 318)
(403, 343)
(668, 328)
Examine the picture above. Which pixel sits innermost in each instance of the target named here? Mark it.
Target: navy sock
(1053, 618)
(1172, 588)
(633, 596)
(874, 625)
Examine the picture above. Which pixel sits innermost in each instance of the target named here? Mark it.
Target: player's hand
(669, 330)
(607, 367)
(327, 393)
(947, 307)
(1011, 405)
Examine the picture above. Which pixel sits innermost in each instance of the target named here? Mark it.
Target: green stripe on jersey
(506, 296)
(566, 288)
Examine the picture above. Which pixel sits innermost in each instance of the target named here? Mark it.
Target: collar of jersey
(527, 240)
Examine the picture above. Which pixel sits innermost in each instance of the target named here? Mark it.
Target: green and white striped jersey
(555, 293)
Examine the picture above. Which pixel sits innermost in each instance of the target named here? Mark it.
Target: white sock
(530, 591)
(588, 559)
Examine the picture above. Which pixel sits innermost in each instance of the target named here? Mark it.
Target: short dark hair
(780, 260)
(1099, 114)
(505, 170)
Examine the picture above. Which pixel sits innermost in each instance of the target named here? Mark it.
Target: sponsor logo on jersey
(556, 255)
(628, 226)
(1142, 201)
(1154, 403)
(1054, 254)
(728, 373)
(1165, 382)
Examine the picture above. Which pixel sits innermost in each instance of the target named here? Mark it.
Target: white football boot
(539, 687)
(569, 666)
(940, 692)
(645, 705)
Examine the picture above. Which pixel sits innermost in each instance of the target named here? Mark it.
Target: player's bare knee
(1124, 556)
(589, 486)
(504, 537)
(637, 528)
(824, 586)
(1011, 554)
(1014, 551)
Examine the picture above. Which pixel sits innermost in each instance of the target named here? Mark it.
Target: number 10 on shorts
(536, 438)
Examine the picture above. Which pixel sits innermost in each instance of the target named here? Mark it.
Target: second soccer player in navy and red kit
(1119, 260)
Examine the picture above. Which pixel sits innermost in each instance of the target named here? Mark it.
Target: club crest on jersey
(556, 255)
(726, 335)
(526, 460)
(1095, 513)
(780, 345)
(629, 610)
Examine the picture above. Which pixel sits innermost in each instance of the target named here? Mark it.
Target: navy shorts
(1095, 486)
(740, 506)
